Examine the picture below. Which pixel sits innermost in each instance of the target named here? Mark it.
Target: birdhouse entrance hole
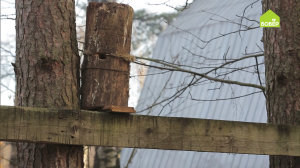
(102, 56)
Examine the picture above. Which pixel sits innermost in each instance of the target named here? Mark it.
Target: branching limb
(176, 68)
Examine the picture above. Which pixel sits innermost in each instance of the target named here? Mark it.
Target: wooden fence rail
(41, 125)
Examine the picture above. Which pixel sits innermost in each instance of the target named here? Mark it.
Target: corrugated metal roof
(177, 42)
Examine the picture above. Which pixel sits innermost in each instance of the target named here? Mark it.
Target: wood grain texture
(42, 125)
(105, 78)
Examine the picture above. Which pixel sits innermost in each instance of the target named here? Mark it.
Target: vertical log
(105, 78)
(47, 73)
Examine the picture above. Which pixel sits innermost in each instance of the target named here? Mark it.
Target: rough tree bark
(282, 62)
(47, 73)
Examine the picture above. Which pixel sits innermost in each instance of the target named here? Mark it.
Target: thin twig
(226, 98)
(259, 75)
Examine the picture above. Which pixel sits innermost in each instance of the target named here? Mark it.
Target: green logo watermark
(269, 19)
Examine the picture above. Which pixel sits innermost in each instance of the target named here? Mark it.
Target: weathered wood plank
(124, 130)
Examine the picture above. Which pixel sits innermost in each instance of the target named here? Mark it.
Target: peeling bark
(47, 72)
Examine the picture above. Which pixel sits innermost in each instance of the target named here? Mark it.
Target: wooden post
(105, 77)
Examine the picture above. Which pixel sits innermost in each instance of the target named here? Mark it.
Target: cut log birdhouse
(105, 68)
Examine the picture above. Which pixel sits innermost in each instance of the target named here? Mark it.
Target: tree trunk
(47, 73)
(282, 61)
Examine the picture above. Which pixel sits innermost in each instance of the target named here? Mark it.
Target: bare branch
(242, 17)
(7, 88)
(177, 68)
(133, 152)
(7, 2)
(225, 98)
(181, 8)
(6, 50)
(257, 69)
(220, 35)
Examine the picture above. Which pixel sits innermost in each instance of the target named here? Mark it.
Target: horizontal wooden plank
(42, 125)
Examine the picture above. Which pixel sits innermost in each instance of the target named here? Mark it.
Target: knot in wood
(149, 131)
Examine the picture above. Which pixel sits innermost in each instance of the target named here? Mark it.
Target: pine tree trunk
(282, 61)
(47, 73)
